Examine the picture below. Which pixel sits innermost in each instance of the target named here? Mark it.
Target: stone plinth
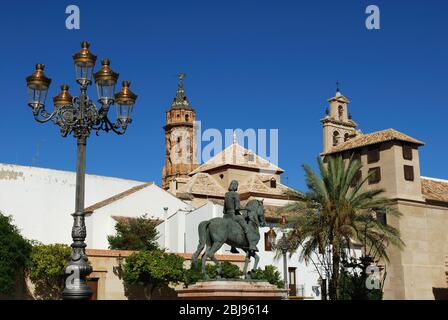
(232, 290)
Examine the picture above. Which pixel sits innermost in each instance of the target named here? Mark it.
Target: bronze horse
(217, 231)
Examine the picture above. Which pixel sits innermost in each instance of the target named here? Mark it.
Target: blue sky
(249, 64)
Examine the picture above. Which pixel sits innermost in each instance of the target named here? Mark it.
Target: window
(221, 176)
(273, 183)
(346, 136)
(357, 156)
(187, 117)
(409, 173)
(407, 152)
(381, 218)
(267, 243)
(335, 138)
(373, 154)
(341, 112)
(356, 178)
(292, 281)
(375, 175)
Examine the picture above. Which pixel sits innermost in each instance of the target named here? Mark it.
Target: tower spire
(337, 87)
(180, 99)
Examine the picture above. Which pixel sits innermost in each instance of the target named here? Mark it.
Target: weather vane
(181, 76)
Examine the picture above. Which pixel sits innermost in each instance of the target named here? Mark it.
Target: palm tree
(337, 211)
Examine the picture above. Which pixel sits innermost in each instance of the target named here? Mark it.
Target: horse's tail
(203, 235)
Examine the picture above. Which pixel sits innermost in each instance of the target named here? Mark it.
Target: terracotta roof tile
(203, 183)
(125, 219)
(254, 184)
(435, 189)
(373, 138)
(116, 197)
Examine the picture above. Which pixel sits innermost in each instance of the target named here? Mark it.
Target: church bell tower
(180, 138)
(338, 125)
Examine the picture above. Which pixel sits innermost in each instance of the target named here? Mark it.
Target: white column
(166, 241)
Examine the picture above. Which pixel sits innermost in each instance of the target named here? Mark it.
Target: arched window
(187, 117)
(273, 183)
(346, 136)
(341, 112)
(335, 138)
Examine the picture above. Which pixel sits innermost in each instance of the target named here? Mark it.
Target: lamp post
(284, 245)
(79, 116)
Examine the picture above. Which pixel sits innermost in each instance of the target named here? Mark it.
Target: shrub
(270, 274)
(352, 281)
(153, 269)
(46, 269)
(14, 253)
(135, 234)
(228, 271)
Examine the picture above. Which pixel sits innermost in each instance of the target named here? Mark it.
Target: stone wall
(419, 269)
(106, 268)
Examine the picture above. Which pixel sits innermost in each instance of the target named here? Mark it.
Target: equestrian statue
(239, 228)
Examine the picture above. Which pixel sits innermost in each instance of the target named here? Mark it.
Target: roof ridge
(117, 197)
(375, 137)
(220, 159)
(434, 179)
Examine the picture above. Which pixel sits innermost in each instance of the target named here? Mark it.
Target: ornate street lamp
(284, 245)
(79, 116)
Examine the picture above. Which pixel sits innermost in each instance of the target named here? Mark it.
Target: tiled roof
(373, 138)
(203, 183)
(127, 219)
(255, 184)
(239, 156)
(435, 189)
(116, 197)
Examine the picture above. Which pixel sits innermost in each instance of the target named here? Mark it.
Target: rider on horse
(232, 211)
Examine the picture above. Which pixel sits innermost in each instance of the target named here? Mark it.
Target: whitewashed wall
(41, 200)
(150, 200)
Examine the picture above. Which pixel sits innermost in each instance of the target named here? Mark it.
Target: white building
(41, 202)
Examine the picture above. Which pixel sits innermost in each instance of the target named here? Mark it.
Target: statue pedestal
(232, 290)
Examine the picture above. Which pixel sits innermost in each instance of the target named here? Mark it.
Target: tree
(46, 269)
(270, 274)
(135, 234)
(336, 211)
(14, 253)
(153, 269)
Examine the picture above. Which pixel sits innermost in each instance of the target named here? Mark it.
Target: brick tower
(180, 138)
